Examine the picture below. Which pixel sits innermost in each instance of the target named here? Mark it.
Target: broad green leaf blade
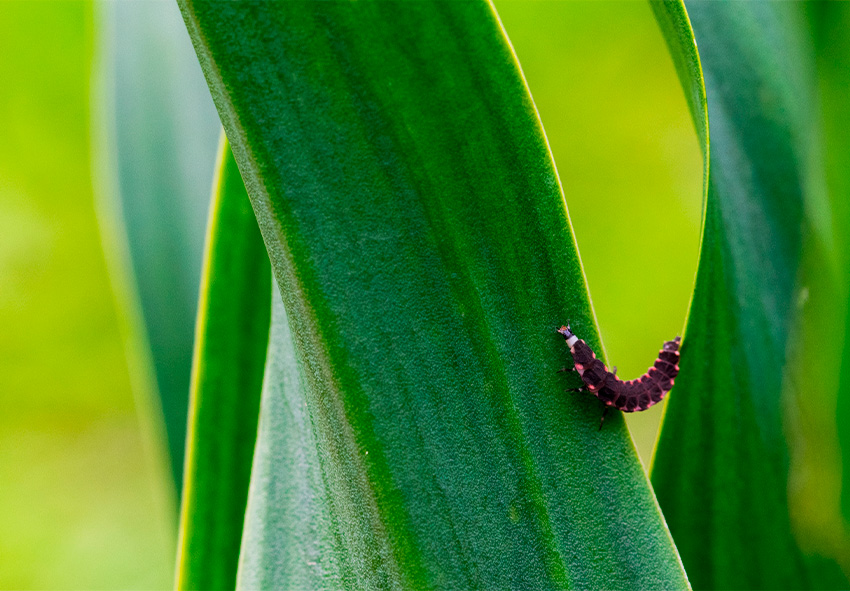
(227, 377)
(721, 466)
(421, 244)
(163, 130)
(289, 537)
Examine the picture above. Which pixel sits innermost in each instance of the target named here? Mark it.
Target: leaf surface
(722, 462)
(162, 129)
(414, 432)
(227, 376)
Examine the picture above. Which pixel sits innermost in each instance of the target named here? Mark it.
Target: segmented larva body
(628, 396)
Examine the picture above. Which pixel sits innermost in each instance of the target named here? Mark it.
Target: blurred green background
(84, 500)
(88, 498)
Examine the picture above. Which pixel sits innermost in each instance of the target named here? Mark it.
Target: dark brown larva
(629, 396)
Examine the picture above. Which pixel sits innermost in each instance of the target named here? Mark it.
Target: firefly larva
(628, 396)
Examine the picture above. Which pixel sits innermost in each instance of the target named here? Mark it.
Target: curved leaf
(233, 331)
(163, 128)
(674, 23)
(421, 244)
(721, 465)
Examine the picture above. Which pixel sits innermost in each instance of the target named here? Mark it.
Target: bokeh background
(105, 172)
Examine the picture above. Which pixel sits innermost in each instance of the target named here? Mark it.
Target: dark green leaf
(421, 244)
(233, 331)
(722, 462)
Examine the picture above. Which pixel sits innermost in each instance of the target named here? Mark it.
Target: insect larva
(628, 396)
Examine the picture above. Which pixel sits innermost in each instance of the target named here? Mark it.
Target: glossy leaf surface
(233, 332)
(722, 462)
(423, 252)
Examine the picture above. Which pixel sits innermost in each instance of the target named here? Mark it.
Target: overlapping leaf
(163, 130)
(819, 486)
(414, 432)
(233, 329)
(722, 462)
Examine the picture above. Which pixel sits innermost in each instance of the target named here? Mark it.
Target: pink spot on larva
(579, 366)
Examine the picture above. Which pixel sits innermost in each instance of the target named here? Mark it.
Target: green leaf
(834, 54)
(674, 23)
(163, 129)
(820, 436)
(722, 461)
(233, 332)
(420, 241)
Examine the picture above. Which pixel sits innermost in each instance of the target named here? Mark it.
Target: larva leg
(580, 389)
(565, 369)
(602, 420)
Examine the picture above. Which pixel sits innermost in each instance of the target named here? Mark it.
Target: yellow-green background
(85, 499)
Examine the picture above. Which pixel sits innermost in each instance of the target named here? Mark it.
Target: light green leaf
(628, 158)
(676, 27)
(834, 53)
(820, 432)
(722, 462)
(233, 331)
(421, 245)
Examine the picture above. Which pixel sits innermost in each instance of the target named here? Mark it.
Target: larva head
(568, 335)
(673, 345)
